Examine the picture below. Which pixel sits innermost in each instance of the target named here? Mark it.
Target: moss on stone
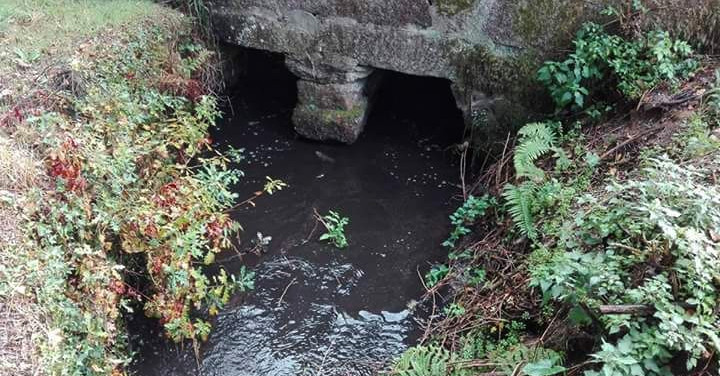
(479, 69)
(699, 24)
(329, 124)
(548, 23)
(337, 116)
(343, 116)
(453, 7)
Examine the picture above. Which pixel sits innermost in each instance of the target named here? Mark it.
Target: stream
(315, 309)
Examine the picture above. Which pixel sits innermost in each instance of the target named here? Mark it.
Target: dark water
(317, 310)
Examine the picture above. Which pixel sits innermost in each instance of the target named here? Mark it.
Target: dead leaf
(714, 236)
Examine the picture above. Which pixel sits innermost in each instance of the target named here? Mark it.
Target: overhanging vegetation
(594, 247)
(114, 101)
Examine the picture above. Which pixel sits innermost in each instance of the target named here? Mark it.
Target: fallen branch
(630, 309)
(285, 291)
(635, 309)
(627, 142)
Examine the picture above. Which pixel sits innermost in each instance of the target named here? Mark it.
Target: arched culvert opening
(418, 107)
(259, 79)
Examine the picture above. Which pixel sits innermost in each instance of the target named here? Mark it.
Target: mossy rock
(551, 24)
(698, 23)
(542, 23)
(329, 124)
(342, 116)
(453, 7)
(477, 68)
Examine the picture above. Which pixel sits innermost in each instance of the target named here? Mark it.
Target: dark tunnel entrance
(412, 106)
(259, 78)
(402, 105)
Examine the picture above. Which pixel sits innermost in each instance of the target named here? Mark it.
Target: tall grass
(51, 26)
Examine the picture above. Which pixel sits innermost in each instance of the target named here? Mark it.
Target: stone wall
(489, 49)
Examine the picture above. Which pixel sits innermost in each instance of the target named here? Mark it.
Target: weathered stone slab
(328, 124)
(333, 110)
(411, 51)
(380, 12)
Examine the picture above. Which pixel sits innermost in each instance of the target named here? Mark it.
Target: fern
(536, 139)
(429, 360)
(520, 201)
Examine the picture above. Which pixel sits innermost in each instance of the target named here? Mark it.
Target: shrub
(599, 58)
(335, 225)
(436, 274)
(651, 242)
(470, 211)
(137, 206)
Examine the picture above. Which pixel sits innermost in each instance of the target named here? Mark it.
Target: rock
(324, 157)
(328, 124)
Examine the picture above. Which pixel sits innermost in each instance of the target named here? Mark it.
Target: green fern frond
(525, 156)
(519, 201)
(536, 139)
(544, 130)
(429, 360)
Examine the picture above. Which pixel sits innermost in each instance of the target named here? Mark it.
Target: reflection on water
(304, 334)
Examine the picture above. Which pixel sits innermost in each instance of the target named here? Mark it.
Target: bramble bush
(137, 191)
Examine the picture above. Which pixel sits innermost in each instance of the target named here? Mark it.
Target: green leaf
(579, 99)
(544, 74)
(578, 316)
(545, 367)
(566, 98)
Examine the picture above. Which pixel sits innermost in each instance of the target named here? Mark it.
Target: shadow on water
(315, 309)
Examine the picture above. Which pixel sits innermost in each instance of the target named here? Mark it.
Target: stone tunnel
(335, 47)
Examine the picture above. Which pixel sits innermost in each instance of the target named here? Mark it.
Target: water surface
(317, 310)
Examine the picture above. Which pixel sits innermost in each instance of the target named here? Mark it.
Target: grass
(18, 165)
(19, 171)
(33, 32)
(47, 26)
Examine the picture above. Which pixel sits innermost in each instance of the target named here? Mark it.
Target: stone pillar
(333, 100)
